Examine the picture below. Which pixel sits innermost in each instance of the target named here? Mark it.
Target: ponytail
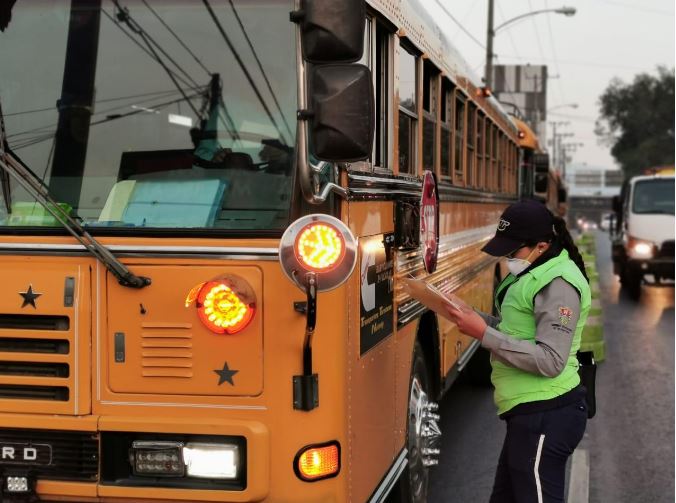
(566, 240)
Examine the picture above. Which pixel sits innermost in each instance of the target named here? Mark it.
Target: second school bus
(207, 208)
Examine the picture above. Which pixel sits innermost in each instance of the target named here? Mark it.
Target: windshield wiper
(4, 177)
(12, 166)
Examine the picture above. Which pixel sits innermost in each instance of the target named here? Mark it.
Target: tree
(637, 121)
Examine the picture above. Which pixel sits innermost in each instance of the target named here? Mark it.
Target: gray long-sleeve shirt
(553, 339)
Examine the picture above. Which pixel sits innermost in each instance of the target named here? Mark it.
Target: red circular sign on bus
(429, 221)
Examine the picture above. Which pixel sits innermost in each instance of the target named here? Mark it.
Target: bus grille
(36, 366)
(75, 455)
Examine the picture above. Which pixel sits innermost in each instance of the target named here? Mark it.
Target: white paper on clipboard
(429, 296)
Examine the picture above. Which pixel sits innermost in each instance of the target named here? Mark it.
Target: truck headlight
(640, 249)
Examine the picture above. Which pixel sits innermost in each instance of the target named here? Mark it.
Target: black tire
(413, 483)
(631, 281)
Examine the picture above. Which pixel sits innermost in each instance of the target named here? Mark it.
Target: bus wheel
(422, 435)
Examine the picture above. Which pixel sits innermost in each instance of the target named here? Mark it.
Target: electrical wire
(248, 76)
(199, 62)
(118, 98)
(121, 28)
(459, 24)
(39, 139)
(150, 42)
(260, 67)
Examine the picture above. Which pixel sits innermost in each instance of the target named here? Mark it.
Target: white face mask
(517, 265)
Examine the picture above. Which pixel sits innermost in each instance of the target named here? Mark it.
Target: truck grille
(75, 455)
(667, 249)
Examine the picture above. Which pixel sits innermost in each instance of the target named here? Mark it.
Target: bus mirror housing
(562, 195)
(341, 126)
(541, 182)
(332, 31)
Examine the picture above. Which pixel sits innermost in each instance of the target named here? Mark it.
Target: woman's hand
(469, 322)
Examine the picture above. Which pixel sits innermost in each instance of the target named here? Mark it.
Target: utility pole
(555, 140)
(490, 34)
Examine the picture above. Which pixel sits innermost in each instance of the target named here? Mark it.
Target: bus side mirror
(541, 181)
(341, 127)
(332, 31)
(562, 195)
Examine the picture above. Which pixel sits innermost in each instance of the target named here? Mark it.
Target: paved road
(630, 442)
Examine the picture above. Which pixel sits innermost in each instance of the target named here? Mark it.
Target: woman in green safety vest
(542, 306)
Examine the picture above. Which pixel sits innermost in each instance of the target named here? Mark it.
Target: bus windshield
(654, 196)
(141, 114)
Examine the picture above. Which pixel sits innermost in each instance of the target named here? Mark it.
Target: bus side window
(408, 110)
(471, 139)
(446, 128)
(458, 148)
(377, 43)
(430, 80)
(383, 91)
(480, 148)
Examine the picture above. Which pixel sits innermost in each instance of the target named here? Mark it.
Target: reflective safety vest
(514, 386)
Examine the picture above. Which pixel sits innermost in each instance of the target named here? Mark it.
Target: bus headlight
(320, 244)
(194, 459)
(211, 461)
(640, 249)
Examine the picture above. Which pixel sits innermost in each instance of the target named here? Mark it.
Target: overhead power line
(183, 44)
(459, 24)
(244, 69)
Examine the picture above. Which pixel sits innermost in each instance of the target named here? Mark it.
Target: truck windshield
(144, 114)
(654, 196)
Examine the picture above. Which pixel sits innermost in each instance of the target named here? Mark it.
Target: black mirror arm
(312, 192)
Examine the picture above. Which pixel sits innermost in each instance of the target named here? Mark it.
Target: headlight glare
(640, 249)
(211, 461)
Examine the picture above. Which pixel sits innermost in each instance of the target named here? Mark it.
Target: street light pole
(490, 34)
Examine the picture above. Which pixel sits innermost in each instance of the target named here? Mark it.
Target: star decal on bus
(225, 374)
(29, 297)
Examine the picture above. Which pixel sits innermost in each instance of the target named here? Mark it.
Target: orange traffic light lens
(318, 462)
(320, 246)
(221, 310)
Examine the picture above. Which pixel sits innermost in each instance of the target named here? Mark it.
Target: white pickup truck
(643, 238)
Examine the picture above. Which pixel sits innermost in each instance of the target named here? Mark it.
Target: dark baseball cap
(524, 222)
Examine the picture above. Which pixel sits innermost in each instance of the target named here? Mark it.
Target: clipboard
(430, 296)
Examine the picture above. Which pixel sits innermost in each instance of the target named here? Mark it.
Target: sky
(605, 39)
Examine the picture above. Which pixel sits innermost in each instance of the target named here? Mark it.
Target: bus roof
(527, 138)
(416, 23)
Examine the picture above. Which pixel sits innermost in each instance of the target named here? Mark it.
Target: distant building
(590, 191)
(593, 181)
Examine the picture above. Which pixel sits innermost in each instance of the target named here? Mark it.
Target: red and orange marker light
(320, 246)
(316, 462)
(224, 305)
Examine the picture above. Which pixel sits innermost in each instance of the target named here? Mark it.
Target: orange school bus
(207, 209)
